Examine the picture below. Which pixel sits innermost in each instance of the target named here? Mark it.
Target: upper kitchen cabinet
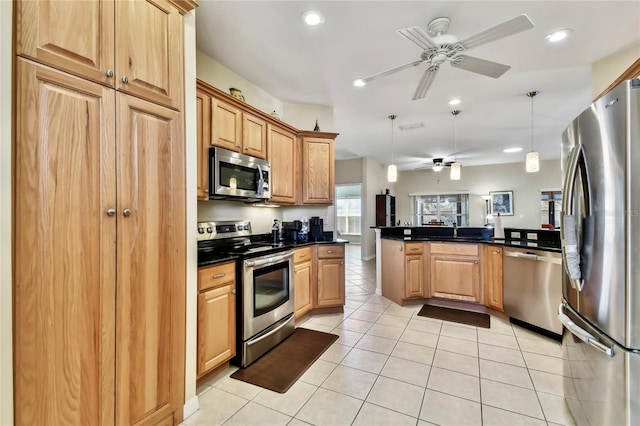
(318, 167)
(134, 46)
(285, 167)
(203, 136)
(238, 130)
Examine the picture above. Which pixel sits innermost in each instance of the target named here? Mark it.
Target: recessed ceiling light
(512, 150)
(359, 82)
(312, 18)
(559, 35)
(455, 101)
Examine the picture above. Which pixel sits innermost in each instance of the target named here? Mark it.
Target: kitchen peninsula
(456, 264)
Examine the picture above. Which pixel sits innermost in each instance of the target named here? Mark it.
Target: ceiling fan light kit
(392, 170)
(532, 160)
(439, 47)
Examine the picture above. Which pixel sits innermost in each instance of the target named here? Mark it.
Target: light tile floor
(391, 367)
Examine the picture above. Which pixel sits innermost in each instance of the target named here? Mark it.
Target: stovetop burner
(218, 240)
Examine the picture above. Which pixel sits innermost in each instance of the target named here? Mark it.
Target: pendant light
(532, 161)
(392, 170)
(455, 166)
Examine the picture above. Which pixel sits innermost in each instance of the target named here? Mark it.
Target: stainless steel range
(264, 313)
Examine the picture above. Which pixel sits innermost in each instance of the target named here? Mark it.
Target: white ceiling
(267, 43)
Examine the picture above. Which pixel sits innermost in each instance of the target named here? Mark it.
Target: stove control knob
(239, 227)
(200, 230)
(246, 227)
(209, 229)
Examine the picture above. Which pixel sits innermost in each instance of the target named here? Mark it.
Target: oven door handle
(268, 260)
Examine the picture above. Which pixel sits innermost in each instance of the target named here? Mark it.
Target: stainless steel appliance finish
(601, 242)
(237, 176)
(533, 287)
(267, 303)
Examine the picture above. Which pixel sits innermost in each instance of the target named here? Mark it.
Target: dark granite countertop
(515, 244)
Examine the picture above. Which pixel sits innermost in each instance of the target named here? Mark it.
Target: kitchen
(375, 181)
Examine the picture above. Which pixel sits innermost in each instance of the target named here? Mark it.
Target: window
(348, 210)
(550, 207)
(441, 209)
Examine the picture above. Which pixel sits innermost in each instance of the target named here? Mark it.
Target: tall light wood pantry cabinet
(99, 213)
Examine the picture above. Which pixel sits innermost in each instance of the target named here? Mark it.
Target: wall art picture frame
(501, 202)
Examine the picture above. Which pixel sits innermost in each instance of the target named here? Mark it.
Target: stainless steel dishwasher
(533, 287)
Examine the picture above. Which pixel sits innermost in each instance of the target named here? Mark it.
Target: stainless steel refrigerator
(601, 255)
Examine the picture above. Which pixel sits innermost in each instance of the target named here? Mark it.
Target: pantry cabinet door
(74, 36)
(149, 59)
(151, 262)
(64, 249)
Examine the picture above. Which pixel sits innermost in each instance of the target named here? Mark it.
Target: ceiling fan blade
(480, 66)
(419, 37)
(425, 82)
(510, 27)
(390, 71)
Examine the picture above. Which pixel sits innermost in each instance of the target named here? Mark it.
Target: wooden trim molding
(632, 72)
(184, 6)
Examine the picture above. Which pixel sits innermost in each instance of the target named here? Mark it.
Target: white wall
(607, 70)
(6, 348)
(349, 171)
(300, 116)
(374, 182)
(480, 180)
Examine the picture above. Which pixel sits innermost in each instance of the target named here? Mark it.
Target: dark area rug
(279, 368)
(477, 319)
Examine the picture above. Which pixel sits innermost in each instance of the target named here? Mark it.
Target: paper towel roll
(498, 230)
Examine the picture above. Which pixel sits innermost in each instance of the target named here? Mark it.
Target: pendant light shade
(456, 168)
(532, 160)
(455, 171)
(392, 173)
(392, 170)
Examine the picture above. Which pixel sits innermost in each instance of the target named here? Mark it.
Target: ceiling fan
(438, 165)
(439, 47)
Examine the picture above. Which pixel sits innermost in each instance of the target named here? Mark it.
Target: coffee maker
(316, 229)
(292, 230)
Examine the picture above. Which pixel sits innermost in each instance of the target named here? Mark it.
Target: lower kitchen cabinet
(492, 276)
(216, 316)
(302, 279)
(330, 291)
(455, 271)
(404, 274)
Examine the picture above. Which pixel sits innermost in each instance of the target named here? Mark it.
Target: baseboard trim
(191, 406)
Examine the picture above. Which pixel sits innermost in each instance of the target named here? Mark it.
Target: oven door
(236, 175)
(267, 291)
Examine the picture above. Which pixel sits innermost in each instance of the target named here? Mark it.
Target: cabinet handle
(330, 251)
(233, 291)
(476, 262)
(219, 275)
(238, 146)
(126, 212)
(109, 73)
(303, 255)
(342, 263)
(111, 212)
(496, 251)
(400, 248)
(125, 79)
(206, 190)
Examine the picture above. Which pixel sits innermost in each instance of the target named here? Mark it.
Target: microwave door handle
(259, 181)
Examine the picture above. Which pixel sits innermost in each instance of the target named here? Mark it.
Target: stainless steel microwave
(237, 176)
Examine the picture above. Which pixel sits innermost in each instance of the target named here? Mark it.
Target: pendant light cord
(455, 113)
(392, 117)
(531, 95)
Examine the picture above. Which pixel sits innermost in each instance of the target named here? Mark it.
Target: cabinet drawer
(216, 275)
(413, 248)
(455, 248)
(302, 255)
(330, 251)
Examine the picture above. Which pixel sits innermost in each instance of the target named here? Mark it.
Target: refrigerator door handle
(582, 334)
(570, 250)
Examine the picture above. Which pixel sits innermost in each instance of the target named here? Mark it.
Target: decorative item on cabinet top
(236, 93)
